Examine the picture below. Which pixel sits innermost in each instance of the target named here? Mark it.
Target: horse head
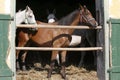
(86, 17)
(51, 16)
(29, 16)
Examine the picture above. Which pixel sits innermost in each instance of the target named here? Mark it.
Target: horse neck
(74, 23)
(20, 17)
(72, 20)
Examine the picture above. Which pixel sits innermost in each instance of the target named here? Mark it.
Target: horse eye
(30, 16)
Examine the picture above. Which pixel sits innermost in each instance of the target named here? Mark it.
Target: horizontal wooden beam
(60, 49)
(56, 26)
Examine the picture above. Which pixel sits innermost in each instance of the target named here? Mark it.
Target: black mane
(69, 18)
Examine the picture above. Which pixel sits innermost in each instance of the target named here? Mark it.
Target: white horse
(27, 17)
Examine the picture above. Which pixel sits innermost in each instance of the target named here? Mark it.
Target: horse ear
(54, 11)
(81, 7)
(47, 12)
(85, 8)
(27, 8)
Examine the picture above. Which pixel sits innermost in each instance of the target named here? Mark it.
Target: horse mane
(69, 18)
(18, 16)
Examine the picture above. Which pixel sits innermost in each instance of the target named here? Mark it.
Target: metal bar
(56, 26)
(60, 49)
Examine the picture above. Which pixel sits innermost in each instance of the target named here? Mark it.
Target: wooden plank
(5, 71)
(56, 26)
(60, 49)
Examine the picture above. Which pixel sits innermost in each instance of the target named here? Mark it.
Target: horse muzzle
(34, 29)
(94, 25)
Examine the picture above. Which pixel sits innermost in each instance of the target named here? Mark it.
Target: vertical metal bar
(12, 37)
(106, 31)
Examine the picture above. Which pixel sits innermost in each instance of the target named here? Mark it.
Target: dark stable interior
(62, 7)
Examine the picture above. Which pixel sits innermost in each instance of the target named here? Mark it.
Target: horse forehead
(51, 16)
(30, 12)
(87, 12)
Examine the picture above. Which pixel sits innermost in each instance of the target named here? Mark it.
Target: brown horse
(60, 37)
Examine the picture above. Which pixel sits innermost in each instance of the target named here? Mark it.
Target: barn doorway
(63, 8)
(40, 7)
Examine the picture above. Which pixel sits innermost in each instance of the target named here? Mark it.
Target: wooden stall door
(115, 49)
(5, 72)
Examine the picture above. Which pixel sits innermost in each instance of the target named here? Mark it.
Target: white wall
(114, 9)
(8, 7)
(5, 7)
